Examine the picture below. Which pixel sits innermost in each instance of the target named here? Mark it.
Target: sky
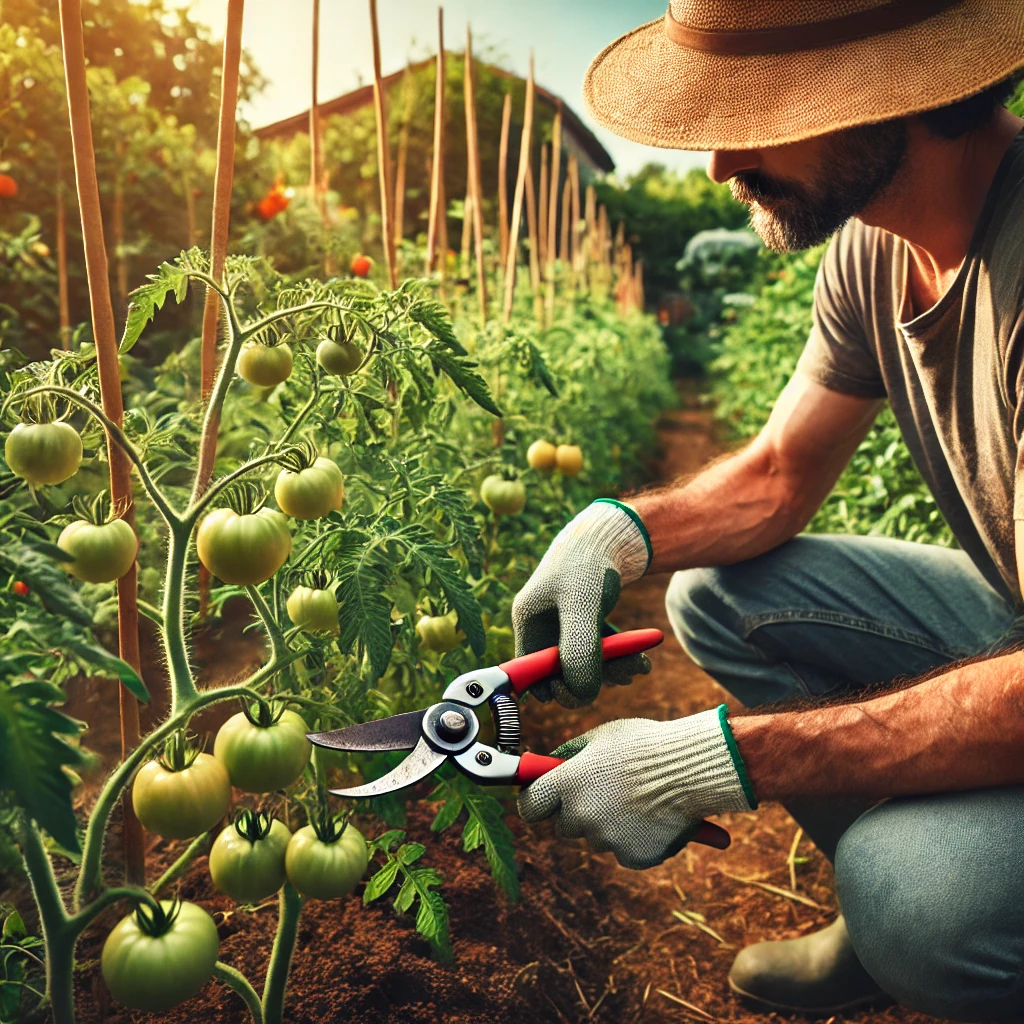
(565, 36)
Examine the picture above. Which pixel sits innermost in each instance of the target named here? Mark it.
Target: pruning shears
(450, 729)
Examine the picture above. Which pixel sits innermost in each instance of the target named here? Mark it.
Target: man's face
(801, 193)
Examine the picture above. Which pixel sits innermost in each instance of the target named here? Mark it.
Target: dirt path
(588, 941)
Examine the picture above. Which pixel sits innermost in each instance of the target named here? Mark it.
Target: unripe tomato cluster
(546, 457)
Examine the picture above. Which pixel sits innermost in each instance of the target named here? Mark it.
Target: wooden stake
(554, 192)
(190, 210)
(473, 159)
(438, 212)
(563, 245)
(64, 313)
(315, 141)
(383, 153)
(591, 251)
(117, 219)
(403, 157)
(574, 177)
(506, 122)
(222, 183)
(517, 202)
(531, 231)
(542, 209)
(73, 42)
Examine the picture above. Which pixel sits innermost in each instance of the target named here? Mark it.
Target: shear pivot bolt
(474, 689)
(452, 725)
(483, 757)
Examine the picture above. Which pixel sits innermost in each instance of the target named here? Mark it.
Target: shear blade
(400, 732)
(418, 765)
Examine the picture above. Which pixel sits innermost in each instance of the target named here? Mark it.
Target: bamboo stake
(574, 177)
(403, 157)
(315, 141)
(542, 209)
(467, 227)
(190, 209)
(556, 171)
(222, 182)
(531, 231)
(473, 159)
(64, 312)
(438, 212)
(563, 245)
(517, 202)
(591, 250)
(73, 42)
(383, 153)
(506, 123)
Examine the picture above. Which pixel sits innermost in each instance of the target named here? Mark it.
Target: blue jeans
(932, 887)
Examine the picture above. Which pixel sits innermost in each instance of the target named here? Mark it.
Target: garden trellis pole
(506, 123)
(532, 233)
(556, 173)
(315, 141)
(105, 338)
(383, 152)
(517, 201)
(63, 309)
(438, 211)
(473, 168)
(542, 207)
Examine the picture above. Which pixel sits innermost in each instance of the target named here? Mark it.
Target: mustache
(754, 187)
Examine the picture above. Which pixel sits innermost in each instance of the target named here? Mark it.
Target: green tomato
(438, 632)
(324, 871)
(101, 554)
(310, 493)
(503, 497)
(43, 453)
(339, 358)
(249, 870)
(262, 759)
(313, 609)
(264, 366)
(182, 805)
(243, 549)
(149, 972)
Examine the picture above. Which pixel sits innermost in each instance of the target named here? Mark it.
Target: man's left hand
(641, 788)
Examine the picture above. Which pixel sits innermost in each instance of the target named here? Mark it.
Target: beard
(858, 167)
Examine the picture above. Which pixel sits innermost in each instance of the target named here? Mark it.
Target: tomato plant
(361, 265)
(244, 548)
(265, 365)
(504, 496)
(326, 858)
(541, 455)
(313, 608)
(43, 453)
(311, 490)
(339, 357)
(100, 553)
(569, 459)
(437, 632)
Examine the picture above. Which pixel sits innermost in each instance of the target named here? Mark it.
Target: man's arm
(755, 500)
(962, 729)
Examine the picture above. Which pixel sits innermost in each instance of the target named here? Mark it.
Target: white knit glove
(641, 788)
(575, 586)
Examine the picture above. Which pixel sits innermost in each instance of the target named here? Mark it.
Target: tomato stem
(290, 903)
(237, 981)
(183, 687)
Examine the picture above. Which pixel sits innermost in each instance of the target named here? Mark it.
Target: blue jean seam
(751, 623)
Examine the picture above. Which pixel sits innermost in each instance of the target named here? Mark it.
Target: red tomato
(20, 588)
(8, 187)
(273, 203)
(360, 265)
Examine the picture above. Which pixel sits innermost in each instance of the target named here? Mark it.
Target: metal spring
(506, 721)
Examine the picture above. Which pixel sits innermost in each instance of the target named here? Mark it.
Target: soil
(588, 941)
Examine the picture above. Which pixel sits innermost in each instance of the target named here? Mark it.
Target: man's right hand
(575, 586)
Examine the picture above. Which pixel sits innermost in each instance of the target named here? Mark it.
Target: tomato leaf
(386, 840)
(147, 299)
(406, 896)
(379, 883)
(32, 756)
(433, 316)
(462, 373)
(409, 853)
(432, 918)
(102, 662)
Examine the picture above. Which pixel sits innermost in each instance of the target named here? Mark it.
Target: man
(884, 121)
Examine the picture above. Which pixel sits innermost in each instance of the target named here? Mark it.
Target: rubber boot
(817, 973)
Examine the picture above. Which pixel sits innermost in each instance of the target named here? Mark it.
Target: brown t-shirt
(954, 375)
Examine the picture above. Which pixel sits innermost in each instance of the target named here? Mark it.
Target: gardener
(883, 121)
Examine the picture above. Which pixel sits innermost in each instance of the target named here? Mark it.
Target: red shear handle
(532, 668)
(533, 766)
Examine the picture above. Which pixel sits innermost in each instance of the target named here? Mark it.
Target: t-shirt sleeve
(838, 354)
(1014, 363)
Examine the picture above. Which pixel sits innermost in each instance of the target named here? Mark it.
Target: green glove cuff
(734, 753)
(638, 522)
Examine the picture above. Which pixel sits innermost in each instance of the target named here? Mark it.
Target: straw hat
(743, 74)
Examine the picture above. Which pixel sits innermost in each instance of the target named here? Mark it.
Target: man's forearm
(960, 730)
(735, 509)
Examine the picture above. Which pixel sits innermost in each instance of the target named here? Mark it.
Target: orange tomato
(8, 187)
(360, 265)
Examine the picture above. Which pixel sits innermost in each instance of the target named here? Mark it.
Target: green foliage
(21, 973)
(881, 492)
(484, 826)
(416, 888)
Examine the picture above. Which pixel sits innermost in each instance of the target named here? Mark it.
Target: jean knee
(934, 928)
(698, 614)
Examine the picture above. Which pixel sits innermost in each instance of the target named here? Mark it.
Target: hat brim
(648, 89)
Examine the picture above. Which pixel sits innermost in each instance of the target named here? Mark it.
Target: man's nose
(725, 163)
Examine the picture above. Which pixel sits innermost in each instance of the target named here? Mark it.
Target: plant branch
(278, 647)
(306, 307)
(181, 864)
(107, 898)
(196, 509)
(290, 903)
(239, 983)
(156, 495)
